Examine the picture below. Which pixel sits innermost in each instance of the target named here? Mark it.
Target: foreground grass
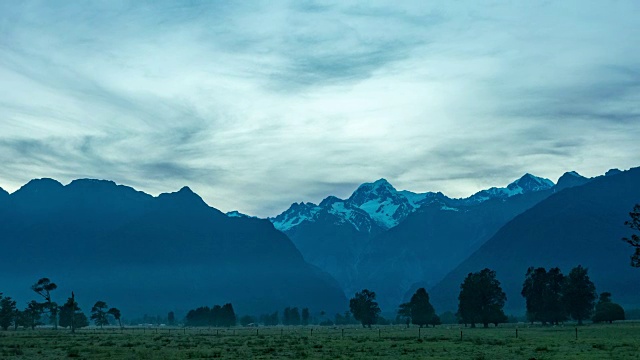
(617, 341)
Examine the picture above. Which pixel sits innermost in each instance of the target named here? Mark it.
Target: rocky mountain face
(148, 254)
(580, 225)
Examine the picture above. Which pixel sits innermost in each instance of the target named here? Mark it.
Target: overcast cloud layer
(256, 105)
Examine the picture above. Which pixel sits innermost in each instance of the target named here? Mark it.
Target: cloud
(257, 105)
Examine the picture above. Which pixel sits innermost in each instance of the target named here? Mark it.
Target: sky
(258, 104)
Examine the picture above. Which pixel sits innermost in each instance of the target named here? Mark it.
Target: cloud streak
(257, 105)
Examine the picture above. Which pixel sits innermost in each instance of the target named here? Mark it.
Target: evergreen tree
(305, 316)
(481, 299)
(227, 316)
(422, 312)
(634, 240)
(364, 307)
(99, 314)
(606, 310)
(7, 312)
(171, 318)
(579, 294)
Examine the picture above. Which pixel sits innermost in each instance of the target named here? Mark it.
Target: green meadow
(615, 341)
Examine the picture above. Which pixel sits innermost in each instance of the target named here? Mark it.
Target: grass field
(617, 341)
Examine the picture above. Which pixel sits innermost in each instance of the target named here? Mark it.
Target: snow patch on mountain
(380, 204)
(526, 184)
(295, 215)
(237, 214)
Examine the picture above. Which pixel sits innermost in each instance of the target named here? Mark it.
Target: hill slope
(579, 225)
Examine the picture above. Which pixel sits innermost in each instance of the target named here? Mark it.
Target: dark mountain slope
(579, 225)
(149, 254)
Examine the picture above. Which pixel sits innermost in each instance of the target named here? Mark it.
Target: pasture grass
(616, 341)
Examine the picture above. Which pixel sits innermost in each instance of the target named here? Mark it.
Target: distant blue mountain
(150, 255)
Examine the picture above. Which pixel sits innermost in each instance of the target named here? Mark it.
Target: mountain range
(387, 240)
(149, 254)
(146, 254)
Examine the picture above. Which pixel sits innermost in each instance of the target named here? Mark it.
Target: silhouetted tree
(69, 316)
(422, 312)
(201, 316)
(305, 316)
(171, 318)
(364, 307)
(7, 312)
(481, 299)
(634, 240)
(579, 294)
(99, 313)
(345, 319)
(32, 314)
(216, 316)
(270, 319)
(606, 310)
(543, 293)
(295, 316)
(227, 316)
(291, 316)
(80, 320)
(404, 314)
(115, 312)
(44, 287)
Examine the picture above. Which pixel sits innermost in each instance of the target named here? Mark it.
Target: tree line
(217, 316)
(68, 315)
(550, 298)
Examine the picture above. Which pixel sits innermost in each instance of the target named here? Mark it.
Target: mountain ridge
(387, 207)
(152, 254)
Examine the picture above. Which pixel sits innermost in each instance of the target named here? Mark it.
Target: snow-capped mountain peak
(378, 204)
(295, 215)
(525, 184)
(530, 183)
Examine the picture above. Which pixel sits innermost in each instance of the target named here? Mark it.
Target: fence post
(460, 335)
(419, 332)
(379, 336)
(576, 333)
(516, 333)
